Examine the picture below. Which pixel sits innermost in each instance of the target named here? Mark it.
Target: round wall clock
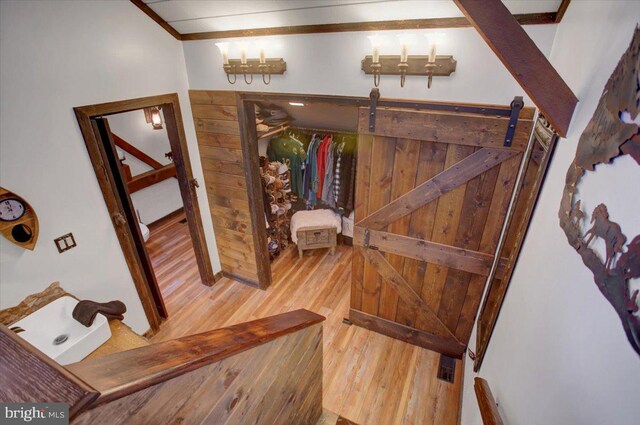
(11, 209)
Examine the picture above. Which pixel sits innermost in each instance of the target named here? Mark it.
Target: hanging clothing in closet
(330, 172)
(345, 176)
(289, 151)
(311, 171)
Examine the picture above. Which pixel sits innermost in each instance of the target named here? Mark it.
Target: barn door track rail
(516, 106)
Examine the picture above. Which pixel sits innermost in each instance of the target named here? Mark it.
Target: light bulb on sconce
(433, 41)
(244, 67)
(262, 65)
(243, 52)
(224, 51)
(406, 40)
(376, 42)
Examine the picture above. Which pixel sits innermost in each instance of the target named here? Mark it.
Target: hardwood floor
(368, 378)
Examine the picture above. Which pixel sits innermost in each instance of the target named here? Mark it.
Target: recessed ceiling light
(296, 104)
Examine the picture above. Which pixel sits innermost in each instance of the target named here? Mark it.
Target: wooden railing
(269, 369)
(486, 402)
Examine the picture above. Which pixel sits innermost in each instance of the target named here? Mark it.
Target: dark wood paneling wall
(215, 115)
(440, 184)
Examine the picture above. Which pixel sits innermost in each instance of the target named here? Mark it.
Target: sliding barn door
(433, 189)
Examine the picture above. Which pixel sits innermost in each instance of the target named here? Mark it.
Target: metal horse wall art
(606, 137)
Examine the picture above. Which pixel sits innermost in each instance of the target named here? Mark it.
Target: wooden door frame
(248, 140)
(149, 293)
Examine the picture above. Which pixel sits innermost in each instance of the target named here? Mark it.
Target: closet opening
(307, 154)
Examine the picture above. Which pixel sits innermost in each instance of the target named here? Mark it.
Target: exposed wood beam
(151, 177)
(407, 24)
(153, 15)
(561, 10)
(523, 59)
(130, 149)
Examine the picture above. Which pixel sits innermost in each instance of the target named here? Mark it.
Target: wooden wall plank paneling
(218, 126)
(361, 205)
(382, 154)
(211, 165)
(274, 382)
(431, 162)
(446, 222)
(209, 97)
(216, 112)
(222, 154)
(475, 210)
(405, 169)
(499, 206)
(218, 140)
(215, 115)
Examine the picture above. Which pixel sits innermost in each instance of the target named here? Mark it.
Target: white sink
(53, 323)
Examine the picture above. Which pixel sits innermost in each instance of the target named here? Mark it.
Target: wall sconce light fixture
(248, 67)
(153, 117)
(430, 65)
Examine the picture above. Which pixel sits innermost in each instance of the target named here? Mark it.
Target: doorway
(150, 192)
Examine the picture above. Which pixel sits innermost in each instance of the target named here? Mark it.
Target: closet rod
(274, 130)
(322, 130)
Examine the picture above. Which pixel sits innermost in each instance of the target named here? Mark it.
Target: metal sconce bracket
(415, 65)
(253, 67)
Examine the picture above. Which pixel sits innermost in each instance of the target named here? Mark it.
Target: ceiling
(193, 16)
(320, 115)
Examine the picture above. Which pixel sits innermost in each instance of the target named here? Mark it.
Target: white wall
(558, 353)
(54, 56)
(330, 64)
(163, 198)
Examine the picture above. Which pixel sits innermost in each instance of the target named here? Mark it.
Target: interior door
(432, 193)
(127, 216)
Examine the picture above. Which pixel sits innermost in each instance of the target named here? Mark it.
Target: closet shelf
(308, 130)
(274, 130)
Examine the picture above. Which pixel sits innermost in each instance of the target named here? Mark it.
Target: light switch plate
(65, 242)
